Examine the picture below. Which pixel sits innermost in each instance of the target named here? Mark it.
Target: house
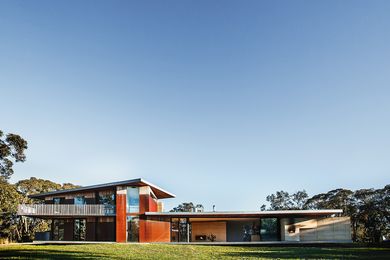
(132, 211)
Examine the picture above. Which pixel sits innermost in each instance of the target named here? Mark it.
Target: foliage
(282, 200)
(16, 228)
(186, 207)
(11, 147)
(35, 185)
(9, 200)
(369, 209)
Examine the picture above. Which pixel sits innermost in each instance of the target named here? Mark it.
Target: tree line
(369, 209)
(12, 226)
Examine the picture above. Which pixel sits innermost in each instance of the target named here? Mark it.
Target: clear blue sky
(219, 102)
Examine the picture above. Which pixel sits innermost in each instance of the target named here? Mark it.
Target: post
(188, 231)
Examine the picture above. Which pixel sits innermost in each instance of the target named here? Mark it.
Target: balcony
(65, 210)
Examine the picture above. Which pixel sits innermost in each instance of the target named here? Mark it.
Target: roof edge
(267, 212)
(98, 186)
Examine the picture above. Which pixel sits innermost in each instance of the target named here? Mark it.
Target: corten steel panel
(143, 203)
(147, 203)
(154, 231)
(142, 231)
(152, 204)
(120, 218)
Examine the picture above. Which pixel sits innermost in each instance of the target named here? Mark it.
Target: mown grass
(165, 251)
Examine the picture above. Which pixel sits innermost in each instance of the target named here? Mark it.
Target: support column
(121, 225)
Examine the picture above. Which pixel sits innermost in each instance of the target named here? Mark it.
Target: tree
(11, 147)
(282, 200)
(369, 209)
(9, 200)
(337, 199)
(14, 227)
(67, 186)
(35, 185)
(186, 207)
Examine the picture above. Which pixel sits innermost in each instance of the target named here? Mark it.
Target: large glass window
(180, 230)
(132, 229)
(132, 200)
(58, 229)
(80, 229)
(58, 201)
(106, 197)
(79, 200)
(243, 230)
(269, 229)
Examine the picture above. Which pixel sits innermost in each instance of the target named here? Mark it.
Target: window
(58, 229)
(57, 201)
(132, 204)
(180, 230)
(79, 200)
(132, 229)
(269, 229)
(106, 197)
(80, 229)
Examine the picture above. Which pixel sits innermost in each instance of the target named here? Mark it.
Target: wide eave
(160, 193)
(241, 214)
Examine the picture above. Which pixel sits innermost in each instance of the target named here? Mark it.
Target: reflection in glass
(79, 200)
(180, 230)
(58, 229)
(79, 230)
(106, 197)
(132, 204)
(132, 229)
(269, 229)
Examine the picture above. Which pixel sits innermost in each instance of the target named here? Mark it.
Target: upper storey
(135, 196)
(158, 192)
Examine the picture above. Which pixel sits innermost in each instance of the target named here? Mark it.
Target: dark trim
(160, 193)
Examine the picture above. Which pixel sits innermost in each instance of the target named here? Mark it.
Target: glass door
(58, 229)
(80, 229)
(132, 229)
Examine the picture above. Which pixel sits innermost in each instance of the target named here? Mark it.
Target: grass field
(156, 251)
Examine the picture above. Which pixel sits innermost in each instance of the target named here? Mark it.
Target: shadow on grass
(311, 253)
(42, 253)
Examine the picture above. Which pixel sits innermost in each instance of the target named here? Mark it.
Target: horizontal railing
(66, 210)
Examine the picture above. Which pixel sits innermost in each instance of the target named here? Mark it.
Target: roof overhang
(159, 192)
(238, 214)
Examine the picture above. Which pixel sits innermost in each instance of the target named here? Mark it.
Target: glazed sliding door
(80, 229)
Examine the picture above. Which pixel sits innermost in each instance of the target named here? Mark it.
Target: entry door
(132, 229)
(80, 229)
(58, 229)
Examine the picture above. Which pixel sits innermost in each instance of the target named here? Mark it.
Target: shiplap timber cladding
(206, 228)
(87, 195)
(66, 210)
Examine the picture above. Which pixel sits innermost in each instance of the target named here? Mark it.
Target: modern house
(132, 211)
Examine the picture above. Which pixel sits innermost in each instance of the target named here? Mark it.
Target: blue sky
(219, 102)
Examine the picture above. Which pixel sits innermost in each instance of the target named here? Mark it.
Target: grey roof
(159, 192)
(247, 213)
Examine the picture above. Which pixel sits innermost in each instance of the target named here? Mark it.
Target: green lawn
(163, 251)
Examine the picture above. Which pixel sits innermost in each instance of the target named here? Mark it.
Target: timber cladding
(217, 228)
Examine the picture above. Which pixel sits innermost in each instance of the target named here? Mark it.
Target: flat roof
(270, 213)
(159, 192)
